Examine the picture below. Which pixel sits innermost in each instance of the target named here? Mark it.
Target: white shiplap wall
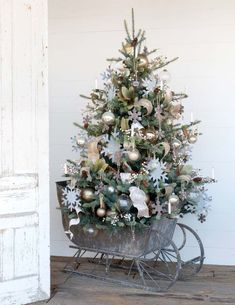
(82, 34)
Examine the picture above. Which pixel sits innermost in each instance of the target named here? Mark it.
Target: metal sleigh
(147, 258)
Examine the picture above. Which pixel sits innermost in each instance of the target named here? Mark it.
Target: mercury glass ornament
(151, 135)
(124, 203)
(133, 155)
(165, 76)
(90, 230)
(87, 194)
(192, 139)
(108, 118)
(101, 212)
(176, 143)
(173, 200)
(81, 141)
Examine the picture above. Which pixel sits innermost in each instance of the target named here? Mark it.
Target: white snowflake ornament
(111, 92)
(156, 171)
(150, 84)
(112, 148)
(71, 198)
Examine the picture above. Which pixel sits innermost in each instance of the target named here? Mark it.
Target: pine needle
(151, 52)
(114, 59)
(133, 23)
(86, 97)
(127, 30)
(142, 38)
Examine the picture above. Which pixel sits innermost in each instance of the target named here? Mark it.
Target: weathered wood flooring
(215, 285)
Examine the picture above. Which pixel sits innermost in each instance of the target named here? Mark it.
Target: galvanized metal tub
(126, 241)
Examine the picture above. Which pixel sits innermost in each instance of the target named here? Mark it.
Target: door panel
(24, 129)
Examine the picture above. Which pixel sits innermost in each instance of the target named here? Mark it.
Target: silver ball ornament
(192, 139)
(174, 200)
(124, 203)
(133, 155)
(108, 118)
(111, 189)
(81, 141)
(90, 230)
(101, 212)
(176, 143)
(165, 76)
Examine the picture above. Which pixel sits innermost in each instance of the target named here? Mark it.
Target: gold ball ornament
(176, 143)
(192, 139)
(147, 104)
(101, 212)
(81, 141)
(108, 118)
(133, 155)
(143, 61)
(174, 200)
(128, 48)
(87, 194)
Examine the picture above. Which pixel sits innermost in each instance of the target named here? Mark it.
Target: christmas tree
(133, 147)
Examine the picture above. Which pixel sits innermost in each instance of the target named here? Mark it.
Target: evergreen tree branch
(142, 38)
(138, 34)
(179, 96)
(151, 52)
(165, 64)
(78, 125)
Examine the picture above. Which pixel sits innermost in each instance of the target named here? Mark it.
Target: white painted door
(24, 203)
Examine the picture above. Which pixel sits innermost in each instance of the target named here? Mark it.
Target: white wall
(82, 34)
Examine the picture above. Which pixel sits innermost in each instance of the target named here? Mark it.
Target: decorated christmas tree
(133, 148)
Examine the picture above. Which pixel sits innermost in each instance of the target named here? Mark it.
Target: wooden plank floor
(215, 285)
